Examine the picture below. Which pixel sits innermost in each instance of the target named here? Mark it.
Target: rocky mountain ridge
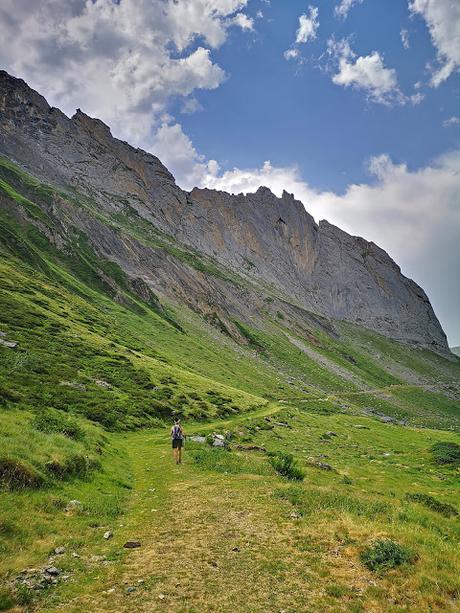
(228, 257)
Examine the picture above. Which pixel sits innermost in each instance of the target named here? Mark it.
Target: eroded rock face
(272, 243)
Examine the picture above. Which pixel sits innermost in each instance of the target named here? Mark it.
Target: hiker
(177, 437)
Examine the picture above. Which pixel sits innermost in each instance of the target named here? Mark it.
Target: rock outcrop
(272, 244)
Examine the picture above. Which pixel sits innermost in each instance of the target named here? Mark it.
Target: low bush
(446, 453)
(6, 599)
(51, 422)
(286, 466)
(385, 554)
(76, 465)
(435, 505)
(16, 475)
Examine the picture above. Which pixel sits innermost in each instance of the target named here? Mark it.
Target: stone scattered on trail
(39, 578)
(73, 505)
(75, 555)
(108, 535)
(282, 424)
(198, 439)
(59, 551)
(130, 589)
(161, 596)
(361, 427)
(295, 515)
(217, 440)
(132, 544)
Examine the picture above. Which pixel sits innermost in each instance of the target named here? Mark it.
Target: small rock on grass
(73, 505)
(52, 570)
(59, 551)
(198, 439)
(132, 544)
(108, 535)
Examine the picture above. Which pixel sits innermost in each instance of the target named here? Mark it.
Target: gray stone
(323, 466)
(73, 505)
(132, 544)
(197, 439)
(217, 442)
(8, 344)
(108, 535)
(52, 570)
(59, 551)
(328, 435)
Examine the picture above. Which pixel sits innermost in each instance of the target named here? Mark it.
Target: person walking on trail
(177, 437)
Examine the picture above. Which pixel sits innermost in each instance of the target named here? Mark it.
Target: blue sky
(352, 105)
(292, 112)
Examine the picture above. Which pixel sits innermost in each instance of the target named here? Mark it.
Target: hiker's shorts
(177, 443)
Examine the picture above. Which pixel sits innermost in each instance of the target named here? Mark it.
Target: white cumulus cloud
(307, 30)
(451, 121)
(342, 9)
(367, 73)
(404, 34)
(119, 61)
(442, 18)
(308, 25)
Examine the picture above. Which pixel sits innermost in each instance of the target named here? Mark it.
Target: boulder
(197, 439)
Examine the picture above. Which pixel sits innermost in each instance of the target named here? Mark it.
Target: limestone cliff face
(272, 243)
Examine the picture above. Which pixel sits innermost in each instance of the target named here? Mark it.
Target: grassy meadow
(338, 489)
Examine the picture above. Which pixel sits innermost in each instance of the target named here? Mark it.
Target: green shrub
(76, 465)
(385, 554)
(51, 422)
(6, 599)
(446, 453)
(285, 465)
(435, 505)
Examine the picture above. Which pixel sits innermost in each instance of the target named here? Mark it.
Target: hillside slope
(269, 247)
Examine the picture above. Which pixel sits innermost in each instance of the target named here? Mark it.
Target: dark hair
(177, 420)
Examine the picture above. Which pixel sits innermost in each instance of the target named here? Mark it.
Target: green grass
(85, 404)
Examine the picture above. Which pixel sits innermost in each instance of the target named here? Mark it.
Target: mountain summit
(227, 257)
